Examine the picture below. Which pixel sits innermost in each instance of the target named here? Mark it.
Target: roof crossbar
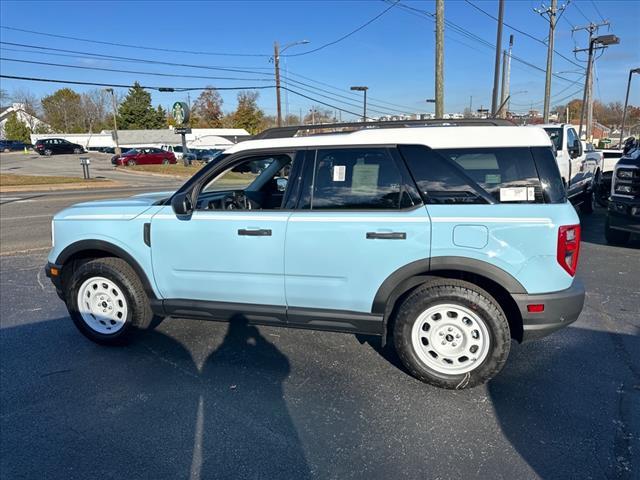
(292, 131)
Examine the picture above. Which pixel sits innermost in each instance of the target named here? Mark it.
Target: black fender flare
(110, 248)
(419, 272)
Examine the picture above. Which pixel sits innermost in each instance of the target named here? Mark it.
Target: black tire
(139, 313)
(600, 191)
(588, 201)
(469, 296)
(615, 237)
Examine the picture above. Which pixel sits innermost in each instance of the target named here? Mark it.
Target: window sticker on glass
(513, 194)
(365, 179)
(531, 194)
(339, 173)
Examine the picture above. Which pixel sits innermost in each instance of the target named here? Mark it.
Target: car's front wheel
(451, 334)
(166, 161)
(107, 301)
(131, 163)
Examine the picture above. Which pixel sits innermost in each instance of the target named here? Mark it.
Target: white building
(20, 110)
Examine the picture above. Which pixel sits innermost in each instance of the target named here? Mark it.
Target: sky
(393, 55)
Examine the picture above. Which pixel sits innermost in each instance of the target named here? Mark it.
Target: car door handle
(259, 232)
(386, 236)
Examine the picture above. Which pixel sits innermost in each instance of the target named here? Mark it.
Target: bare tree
(95, 108)
(30, 103)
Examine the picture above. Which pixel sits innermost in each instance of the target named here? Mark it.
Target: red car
(144, 156)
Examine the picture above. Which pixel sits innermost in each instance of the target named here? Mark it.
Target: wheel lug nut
(441, 334)
(457, 335)
(454, 344)
(444, 343)
(450, 329)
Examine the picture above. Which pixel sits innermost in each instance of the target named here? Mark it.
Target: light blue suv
(447, 241)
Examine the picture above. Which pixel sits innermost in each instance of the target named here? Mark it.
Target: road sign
(182, 130)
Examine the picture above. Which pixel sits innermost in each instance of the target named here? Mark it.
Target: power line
(460, 30)
(524, 33)
(157, 74)
(157, 49)
(177, 89)
(581, 12)
(344, 37)
(132, 59)
(597, 10)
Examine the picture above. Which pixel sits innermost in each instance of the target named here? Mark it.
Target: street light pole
(362, 89)
(276, 62)
(626, 103)
(115, 121)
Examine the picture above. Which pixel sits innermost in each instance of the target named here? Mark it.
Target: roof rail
(292, 131)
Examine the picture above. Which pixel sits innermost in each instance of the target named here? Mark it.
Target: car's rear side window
(476, 175)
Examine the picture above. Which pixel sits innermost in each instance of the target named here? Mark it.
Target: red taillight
(569, 247)
(535, 307)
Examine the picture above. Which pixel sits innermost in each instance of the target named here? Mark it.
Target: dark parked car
(52, 146)
(12, 145)
(144, 156)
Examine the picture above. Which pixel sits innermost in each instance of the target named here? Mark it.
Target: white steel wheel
(450, 339)
(102, 305)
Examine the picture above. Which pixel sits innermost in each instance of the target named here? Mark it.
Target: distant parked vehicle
(53, 146)
(175, 149)
(113, 150)
(12, 145)
(610, 158)
(144, 156)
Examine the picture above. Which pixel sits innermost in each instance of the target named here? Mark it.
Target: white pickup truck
(578, 168)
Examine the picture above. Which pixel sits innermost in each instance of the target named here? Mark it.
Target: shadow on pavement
(593, 230)
(150, 410)
(549, 418)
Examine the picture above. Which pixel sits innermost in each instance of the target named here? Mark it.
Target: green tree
(14, 129)
(247, 115)
(136, 112)
(63, 111)
(207, 109)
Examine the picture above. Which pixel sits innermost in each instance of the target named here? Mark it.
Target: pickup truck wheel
(588, 202)
(451, 334)
(107, 301)
(615, 237)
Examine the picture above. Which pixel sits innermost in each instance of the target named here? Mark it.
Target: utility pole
(549, 13)
(587, 97)
(363, 89)
(439, 59)
(496, 72)
(506, 75)
(115, 121)
(626, 103)
(276, 62)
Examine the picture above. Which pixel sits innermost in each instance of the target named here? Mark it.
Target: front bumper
(55, 279)
(560, 309)
(624, 215)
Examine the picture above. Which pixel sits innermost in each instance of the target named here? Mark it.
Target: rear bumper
(560, 309)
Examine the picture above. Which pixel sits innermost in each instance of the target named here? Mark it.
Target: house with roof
(20, 109)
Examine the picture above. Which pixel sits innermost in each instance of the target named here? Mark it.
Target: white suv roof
(434, 137)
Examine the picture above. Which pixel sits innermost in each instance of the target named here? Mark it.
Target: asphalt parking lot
(197, 399)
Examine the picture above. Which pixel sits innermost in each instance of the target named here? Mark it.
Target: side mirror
(281, 182)
(181, 204)
(575, 150)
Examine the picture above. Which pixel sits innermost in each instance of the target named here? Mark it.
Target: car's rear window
(480, 175)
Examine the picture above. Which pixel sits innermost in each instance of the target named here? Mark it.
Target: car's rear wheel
(48, 152)
(131, 163)
(107, 301)
(451, 334)
(613, 236)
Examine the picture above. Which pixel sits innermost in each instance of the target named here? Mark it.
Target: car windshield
(555, 134)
